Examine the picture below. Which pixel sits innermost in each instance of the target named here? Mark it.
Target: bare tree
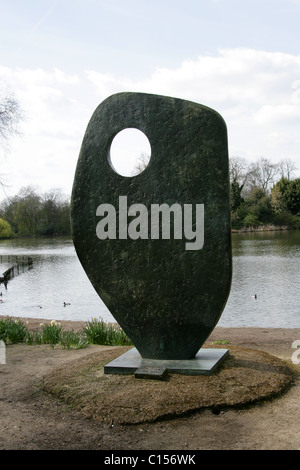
(262, 174)
(286, 168)
(10, 116)
(238, 170)
(141, 164)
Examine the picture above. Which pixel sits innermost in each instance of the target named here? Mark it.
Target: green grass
(221, 341)
(96, 331)
(99, 332)
(12, 331)
(70, 339)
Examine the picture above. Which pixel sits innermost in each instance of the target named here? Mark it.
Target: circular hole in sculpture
(130, 152)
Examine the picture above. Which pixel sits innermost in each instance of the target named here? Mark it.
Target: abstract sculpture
(157, 246)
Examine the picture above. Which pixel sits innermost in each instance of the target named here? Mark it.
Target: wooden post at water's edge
(10, 272)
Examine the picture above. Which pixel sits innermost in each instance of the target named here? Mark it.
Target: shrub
(99, 332)
(70, 339)
(5, 230)
(251, 220)
(33, 337)
(12, 331)
(95, 332)
(51, 333)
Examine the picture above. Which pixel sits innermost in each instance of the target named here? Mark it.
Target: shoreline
(263, 228)
(34, 322)
(274, 340)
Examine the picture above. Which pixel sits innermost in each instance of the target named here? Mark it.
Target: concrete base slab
(156, 373)
(205, 362)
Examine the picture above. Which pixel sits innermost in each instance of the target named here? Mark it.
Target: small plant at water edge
(99, 332)
(221, 341)
(95, 332)
(51, 333)
(12, 331)
(70, 339)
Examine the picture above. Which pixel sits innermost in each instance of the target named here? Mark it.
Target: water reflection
(265, 264)
(56, 278)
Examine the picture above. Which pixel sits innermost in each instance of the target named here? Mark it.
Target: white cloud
(233, 78)
(55, 119)
(106, 84)
(257, 93)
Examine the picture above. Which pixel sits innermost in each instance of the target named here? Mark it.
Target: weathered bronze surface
(167, 298)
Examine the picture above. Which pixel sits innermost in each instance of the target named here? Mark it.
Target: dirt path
(32, 419)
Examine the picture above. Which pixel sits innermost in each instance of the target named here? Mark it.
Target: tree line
(264, 193)
(261, 193)
(32, 214)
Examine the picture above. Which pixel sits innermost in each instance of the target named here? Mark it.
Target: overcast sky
(61, 58)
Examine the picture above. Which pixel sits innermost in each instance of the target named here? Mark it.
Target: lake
(265, 264)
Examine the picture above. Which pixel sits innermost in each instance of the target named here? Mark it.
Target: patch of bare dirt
(84, 408)
(245, 377)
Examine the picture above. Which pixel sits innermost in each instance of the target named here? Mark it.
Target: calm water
(265, 264)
